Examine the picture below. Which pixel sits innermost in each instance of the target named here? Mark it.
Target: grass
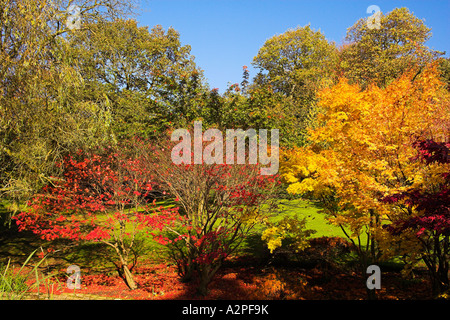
(100, 257)
(13, 283)
(91, 254)
(315, 220)
(97, 256)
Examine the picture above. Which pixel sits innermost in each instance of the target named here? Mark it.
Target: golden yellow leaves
(288, 227)
(363, 149)
(272, 237)
(301, 169)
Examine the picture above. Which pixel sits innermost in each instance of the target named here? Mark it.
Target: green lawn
(314, 219)
(98, 256)
(253, 245)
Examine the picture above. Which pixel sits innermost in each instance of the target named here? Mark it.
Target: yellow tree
(362, 150)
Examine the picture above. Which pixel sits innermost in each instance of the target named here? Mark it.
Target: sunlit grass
(315, 220)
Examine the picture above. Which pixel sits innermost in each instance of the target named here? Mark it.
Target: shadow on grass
(16, 245)
(254, 247)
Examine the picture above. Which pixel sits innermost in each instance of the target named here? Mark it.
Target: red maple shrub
(102, 196)
(427, 215)
(219, 206)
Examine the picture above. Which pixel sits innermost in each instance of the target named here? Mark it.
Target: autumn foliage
(426, 212)
(219, 205)
(86, 160)
(102, 197)
(363, 151)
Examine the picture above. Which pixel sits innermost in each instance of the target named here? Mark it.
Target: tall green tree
(149, 79)
(381, 54)
(295, 62)
(444, 68)
(292, 67)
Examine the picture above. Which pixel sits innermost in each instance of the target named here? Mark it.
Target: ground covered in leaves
(160, 281)
(319, 273)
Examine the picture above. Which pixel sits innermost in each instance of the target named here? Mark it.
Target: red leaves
(216, 198)
(92, 184)
(434, 205)
(161, 281)
(431, 151)
(97, 234)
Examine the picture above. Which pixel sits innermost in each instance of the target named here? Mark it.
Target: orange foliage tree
(361, 152)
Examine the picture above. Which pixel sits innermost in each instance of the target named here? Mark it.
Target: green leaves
(148, 77)
(381, 55)
(44, 112)
(293, 66)
(294, 59)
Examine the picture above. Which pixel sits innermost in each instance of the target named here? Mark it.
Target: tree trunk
(443, 284)
(202, 288)
(438, 270)
(372, 257)
(187, 265)
(439, 281)
(124, 271)
(206, 274)
(364, 263)
(128, 277)
(187, 272)
(371, 294)
(205, 280)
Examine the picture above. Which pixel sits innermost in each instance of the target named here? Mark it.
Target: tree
(444, 67)
(219, 206)
(294, 62)
(382, 54)
(293, 66)
(41, 118)
(149, 79)
(361, 153)
(425, 212)
(104, 197)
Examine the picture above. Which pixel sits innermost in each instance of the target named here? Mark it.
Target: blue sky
(226, 34)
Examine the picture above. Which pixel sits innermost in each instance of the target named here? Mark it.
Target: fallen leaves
(161, 282)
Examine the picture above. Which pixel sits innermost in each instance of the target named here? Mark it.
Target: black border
(172, 309)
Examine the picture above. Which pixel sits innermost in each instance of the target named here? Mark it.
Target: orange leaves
(379, 119)
(363, 148)
(161, 281)
(271, 287)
